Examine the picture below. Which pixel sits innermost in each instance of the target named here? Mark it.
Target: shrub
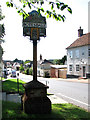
(46, 74)
(28, 71)
(21, 68)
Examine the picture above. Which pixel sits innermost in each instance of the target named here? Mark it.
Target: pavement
(81, 80)
(17, 98)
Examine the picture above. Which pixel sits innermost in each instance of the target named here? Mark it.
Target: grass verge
(1, 78)
(10, 85)
(12, 111)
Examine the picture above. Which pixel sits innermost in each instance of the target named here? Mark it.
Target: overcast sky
(59, 35)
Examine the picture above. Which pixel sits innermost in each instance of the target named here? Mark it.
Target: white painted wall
(80, 58)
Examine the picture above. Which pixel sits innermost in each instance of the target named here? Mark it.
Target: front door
(84, 71)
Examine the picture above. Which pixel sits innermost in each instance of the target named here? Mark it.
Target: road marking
(74, 99)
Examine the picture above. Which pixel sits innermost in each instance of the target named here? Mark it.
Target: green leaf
(18, 11)
(42, 2)
(61, 17)
(11, 4)
(54, 11)
(47, 11)
(55, 16)
(61, 3)
(29, 4)
(63, 7)
(38, 11)
(69, 10)
(24, 5)
(48, 16)
(52, 6)
(8, 4)
(42, 9)
(58, 5)
(50, 2)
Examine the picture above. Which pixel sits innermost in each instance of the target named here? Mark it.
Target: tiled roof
(82, 41)
(44, 61)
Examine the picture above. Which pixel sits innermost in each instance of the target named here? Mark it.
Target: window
(71, 54)
(77, 68)
(77, 53)
(70, 67)
(89, 52)
(89, 68)
(83, 52)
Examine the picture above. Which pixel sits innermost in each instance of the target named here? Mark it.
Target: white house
(43, 67)
(78, 56)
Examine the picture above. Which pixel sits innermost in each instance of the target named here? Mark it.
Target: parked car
(5, 73)
(13, 73)
(9, 70)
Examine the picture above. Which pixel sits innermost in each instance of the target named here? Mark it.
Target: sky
(59, 35)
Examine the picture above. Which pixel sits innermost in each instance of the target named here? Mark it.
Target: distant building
(78, 56)
(43, 67)
(8, 63)
(16, 66)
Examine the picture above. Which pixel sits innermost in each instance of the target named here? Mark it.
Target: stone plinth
(35, 100)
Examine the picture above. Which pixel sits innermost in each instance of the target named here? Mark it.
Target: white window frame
(89, 52)
(77, 53)
(89, 68)
(77, 68)
(70, 68)
(83, 52)
(71, 54)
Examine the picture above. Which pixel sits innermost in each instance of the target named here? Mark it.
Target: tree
(63, 59)
(19, 61)
(1, 16)
(27, 61)
(21, 68)
(2, 29)
(53, 8)
(2, 33)
(16, 60)
(60, 61)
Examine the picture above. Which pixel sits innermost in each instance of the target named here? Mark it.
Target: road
(73, 92)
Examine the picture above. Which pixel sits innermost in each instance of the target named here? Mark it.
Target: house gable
(78, 57)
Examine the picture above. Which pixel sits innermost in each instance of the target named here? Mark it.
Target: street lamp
(35, 99)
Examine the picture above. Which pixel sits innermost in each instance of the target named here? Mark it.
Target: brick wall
(58, 73)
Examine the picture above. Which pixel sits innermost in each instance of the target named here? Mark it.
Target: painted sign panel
(34, 20)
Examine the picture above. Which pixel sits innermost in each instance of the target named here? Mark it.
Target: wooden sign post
(35, 100)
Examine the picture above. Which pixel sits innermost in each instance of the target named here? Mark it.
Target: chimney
(80, 32)
(40, 57)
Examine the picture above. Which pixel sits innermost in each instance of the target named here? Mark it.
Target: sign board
(34, 20)
(27, 32)
(34, 34)
(35, 25)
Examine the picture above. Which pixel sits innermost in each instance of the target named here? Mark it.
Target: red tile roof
(82, 41)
